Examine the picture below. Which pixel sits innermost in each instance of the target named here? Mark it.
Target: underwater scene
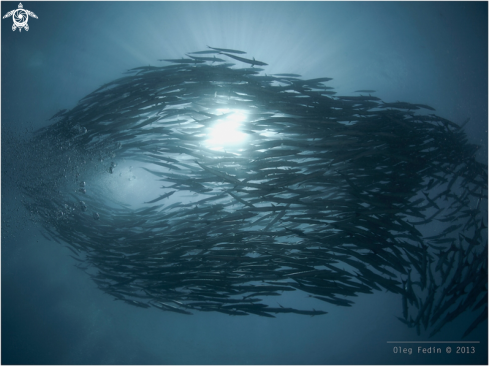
(244, 183)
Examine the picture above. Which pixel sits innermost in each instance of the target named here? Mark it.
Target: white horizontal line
(433, 342)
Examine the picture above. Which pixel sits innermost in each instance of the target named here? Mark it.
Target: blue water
(433, 53)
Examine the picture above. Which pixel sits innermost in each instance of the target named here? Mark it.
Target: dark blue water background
(433, 53)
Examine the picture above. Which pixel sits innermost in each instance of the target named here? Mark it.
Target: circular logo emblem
(20, 18)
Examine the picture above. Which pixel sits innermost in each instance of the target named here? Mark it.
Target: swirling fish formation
(326, 194)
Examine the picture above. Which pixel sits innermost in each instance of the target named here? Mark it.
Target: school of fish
(333, 196)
